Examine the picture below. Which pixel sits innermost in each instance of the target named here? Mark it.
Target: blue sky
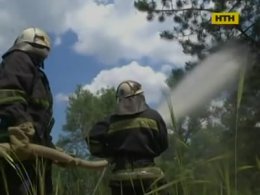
(95, 44)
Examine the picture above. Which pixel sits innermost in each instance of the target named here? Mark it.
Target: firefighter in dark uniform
(131, 138)
(26, 112)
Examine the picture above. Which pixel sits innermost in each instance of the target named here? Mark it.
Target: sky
(96, 43)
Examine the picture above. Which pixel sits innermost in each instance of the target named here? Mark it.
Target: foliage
(84, 109)
(78, 181)
(192, 26)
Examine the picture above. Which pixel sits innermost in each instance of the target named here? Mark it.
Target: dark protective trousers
(30, 177)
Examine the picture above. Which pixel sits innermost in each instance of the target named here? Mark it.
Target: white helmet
(33, 40)
(34, 36)
(128, 88)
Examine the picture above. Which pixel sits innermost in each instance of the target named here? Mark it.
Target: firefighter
(131, 138)
(26, 113)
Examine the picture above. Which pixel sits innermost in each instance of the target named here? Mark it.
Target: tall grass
(239, 99)
(31, 187)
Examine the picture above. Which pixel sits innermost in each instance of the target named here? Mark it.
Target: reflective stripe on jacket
(9, 96)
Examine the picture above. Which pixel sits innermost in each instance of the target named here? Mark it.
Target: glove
(21, 135)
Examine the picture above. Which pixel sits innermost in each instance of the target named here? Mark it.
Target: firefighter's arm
(17, 82)
(96, 139)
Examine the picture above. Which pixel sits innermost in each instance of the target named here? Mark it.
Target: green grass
(22, 174)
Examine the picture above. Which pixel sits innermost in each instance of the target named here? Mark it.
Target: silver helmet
(128, 88)
(130, 98)
(33, 40)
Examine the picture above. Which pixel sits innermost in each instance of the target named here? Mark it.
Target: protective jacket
(25, 95)
(130, 138)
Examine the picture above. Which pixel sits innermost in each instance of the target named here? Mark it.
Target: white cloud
(153, 82)
(118, 31)
(61, 97)
(17, 15)
(108, 30)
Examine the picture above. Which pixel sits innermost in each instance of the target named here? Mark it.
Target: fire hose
(35, 150)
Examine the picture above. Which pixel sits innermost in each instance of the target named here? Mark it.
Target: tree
(192, 22)
(84, 109)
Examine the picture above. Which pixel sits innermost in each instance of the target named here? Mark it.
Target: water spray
(218, 72)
